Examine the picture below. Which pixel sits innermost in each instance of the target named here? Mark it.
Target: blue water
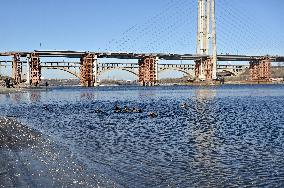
(228, 136)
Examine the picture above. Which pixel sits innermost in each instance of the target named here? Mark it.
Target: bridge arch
(178, 70)
(119, 69)
(232, 72)
(66, 70)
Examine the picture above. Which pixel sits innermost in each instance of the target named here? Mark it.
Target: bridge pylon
(206, 69)
(148, 71)
(260, 70)
(17, 69)
(34, 69)
(86, 70)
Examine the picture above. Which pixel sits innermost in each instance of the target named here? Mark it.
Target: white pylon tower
(206, 33)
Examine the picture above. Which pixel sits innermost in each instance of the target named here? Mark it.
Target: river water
(227, 136)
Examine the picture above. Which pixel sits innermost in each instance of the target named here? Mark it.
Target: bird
(126, 109)
(137, 110)
(117, 109)
(153, 114)
(98, 110)
(184, 105)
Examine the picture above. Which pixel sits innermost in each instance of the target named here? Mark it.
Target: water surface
(228, 135)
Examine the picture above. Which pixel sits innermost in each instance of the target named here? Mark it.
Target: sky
(243, 26)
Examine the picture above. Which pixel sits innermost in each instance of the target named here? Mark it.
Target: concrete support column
(28, 70)
(148, 72)
(86, 70)
(95, 77)
(157, 69)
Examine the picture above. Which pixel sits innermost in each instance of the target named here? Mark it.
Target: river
(225, 136)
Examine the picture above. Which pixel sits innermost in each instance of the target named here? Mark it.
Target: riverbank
(30, 159)
(10, 90)
(217, 83)
(21, 89)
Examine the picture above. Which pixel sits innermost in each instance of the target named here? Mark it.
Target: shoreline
(26, 89)
(30, 159)
(11, 90)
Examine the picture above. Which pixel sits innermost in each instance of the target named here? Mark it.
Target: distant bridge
(133, 68)
(89, 67)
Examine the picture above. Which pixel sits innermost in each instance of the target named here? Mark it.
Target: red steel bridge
(146, 66)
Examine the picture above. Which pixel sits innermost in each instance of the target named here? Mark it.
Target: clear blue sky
(244, 26)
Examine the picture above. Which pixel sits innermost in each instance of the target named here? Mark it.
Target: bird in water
(126, 109)
(184, 105)
(117, 109)
(153, 114)
(98, 110)
(137, 110)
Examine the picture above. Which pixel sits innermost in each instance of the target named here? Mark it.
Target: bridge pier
(204, 70)
(86, 70)
(35, 69)
(17, 69)
(260, 70)
(148, 71)
(198, 69)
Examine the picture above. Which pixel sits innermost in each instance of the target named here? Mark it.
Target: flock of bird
(127, 109)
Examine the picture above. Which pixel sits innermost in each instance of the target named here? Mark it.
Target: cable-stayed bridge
(204, 68)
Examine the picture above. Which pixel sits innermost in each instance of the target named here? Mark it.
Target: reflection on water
(87, 96)
(30, 97)
(204, 136)
(227, 136)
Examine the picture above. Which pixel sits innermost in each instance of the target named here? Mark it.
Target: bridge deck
(126, 55)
